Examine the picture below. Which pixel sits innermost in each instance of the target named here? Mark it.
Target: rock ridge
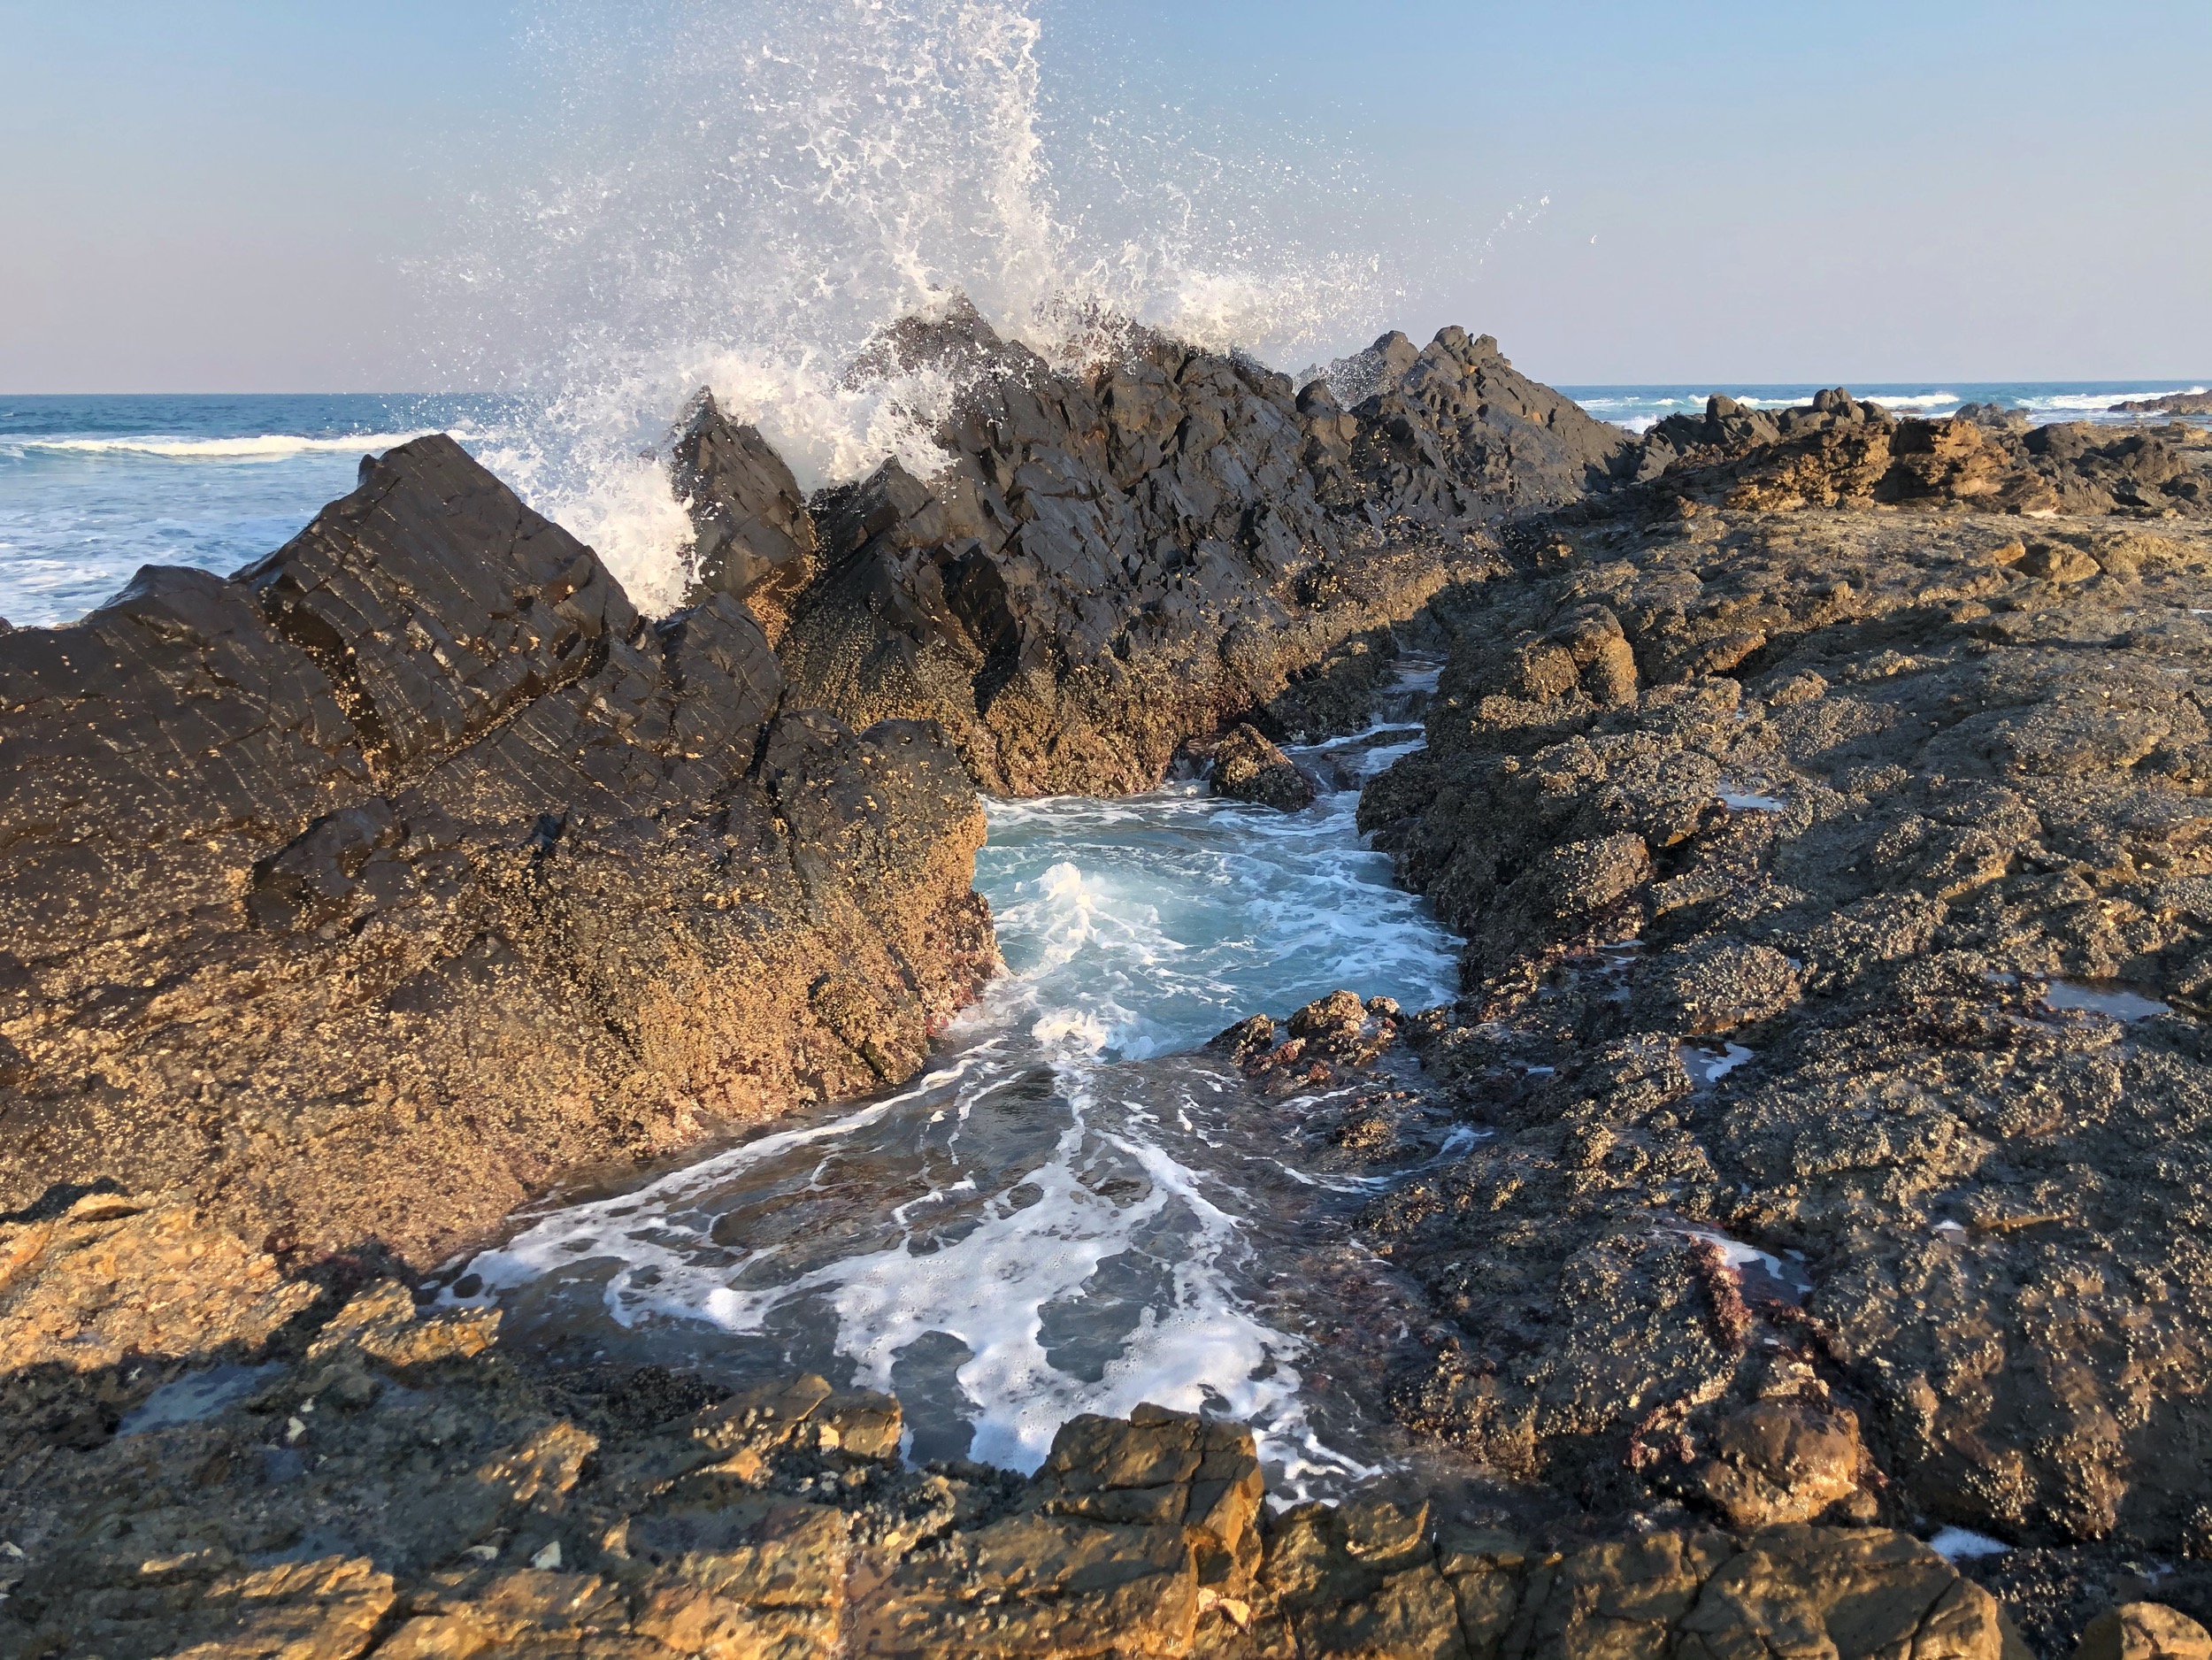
(413, 864)
(1113, 560)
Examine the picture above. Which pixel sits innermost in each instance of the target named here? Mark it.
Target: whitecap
(268, 447)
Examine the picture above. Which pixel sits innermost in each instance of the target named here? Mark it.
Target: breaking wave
(751, 188)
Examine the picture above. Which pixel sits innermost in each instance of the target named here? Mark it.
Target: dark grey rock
(753, 538)
(361, 893)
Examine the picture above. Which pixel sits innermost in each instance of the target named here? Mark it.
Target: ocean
(93, 488)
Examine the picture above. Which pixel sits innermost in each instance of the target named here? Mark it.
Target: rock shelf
(348, 903)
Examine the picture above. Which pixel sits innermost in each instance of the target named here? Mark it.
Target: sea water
(1079, 1207)
(93, 488)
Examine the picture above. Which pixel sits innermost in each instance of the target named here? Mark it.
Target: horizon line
(1716, 382)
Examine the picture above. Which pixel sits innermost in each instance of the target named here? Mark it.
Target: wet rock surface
(362, 895)
(1247, 767)
(1832, 991)
(389, 1482)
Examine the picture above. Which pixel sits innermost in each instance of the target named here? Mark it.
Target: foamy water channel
(1078, 1208)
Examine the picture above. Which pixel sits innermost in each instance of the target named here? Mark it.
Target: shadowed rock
(1247, 767)
(365, 893)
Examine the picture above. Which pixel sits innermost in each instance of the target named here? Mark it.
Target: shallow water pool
(1078, 1208)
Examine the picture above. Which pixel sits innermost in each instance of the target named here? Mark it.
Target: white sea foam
(750, 189)
(1071, 1227)
(2098, 403)
(1961, 1544)
(268, 447)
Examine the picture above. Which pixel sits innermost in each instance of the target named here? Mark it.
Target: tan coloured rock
(1163, 1468)
(1780, 1462)
(1038, 1585)
(2144, 1631)
(112, 1275)
(382, 1323)
(861, 1424)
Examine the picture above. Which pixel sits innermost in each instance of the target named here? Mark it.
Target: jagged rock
(1113, 561)
(2172, 403)
(1842, 452)
(2004, 417)
(366, 892)
(754, 539)
(2144, 1631)
(1164, 1468)
(1452, 432)
(1247, 1041)
(1247, 767)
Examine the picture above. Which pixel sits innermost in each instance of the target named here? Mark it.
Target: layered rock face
(393, 1484)
(1111, 562)
(754, 539)
(1452, 433)
(1836, 887)
(361, 895)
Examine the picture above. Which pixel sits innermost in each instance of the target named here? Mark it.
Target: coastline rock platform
(1821, 795)
(389, 1483)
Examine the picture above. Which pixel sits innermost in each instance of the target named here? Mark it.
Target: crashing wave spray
(743, 193)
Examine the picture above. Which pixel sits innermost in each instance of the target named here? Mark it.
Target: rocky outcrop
(379, 1479)
(360, 896)
(1843, 453)
(2005, 417)
(1836, 952)
(752, 537)
(1247, 767)
(1107, 564)
(1452, 432)
(2172, 403)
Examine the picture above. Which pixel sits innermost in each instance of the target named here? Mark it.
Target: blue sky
(248, 195)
